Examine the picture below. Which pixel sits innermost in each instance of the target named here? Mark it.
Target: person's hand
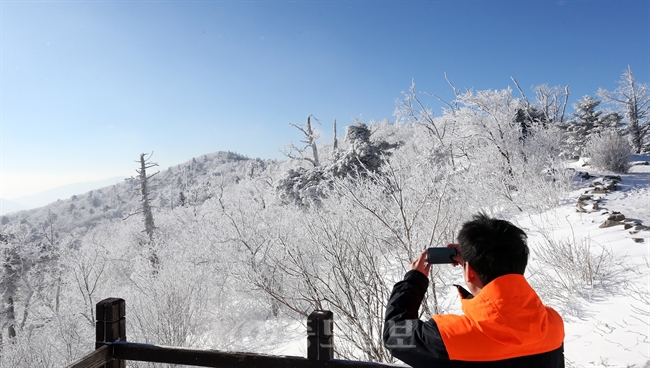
(458, 258)
(421, 264)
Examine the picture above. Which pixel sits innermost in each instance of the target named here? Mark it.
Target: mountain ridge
(113, 202)
(46, 197)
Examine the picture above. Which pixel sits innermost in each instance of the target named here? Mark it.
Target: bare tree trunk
(11, 317)
(311, 137)
(11, 263)
(146, 207)
(335, 145)
(149, 225)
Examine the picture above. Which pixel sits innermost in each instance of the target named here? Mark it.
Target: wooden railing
(113, 351)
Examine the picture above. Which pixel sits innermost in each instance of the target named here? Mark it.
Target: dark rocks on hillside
(616, 178)
(610, 223)
(616, 217)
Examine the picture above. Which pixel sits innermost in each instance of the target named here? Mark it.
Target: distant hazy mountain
(7, 206)
(62, 192)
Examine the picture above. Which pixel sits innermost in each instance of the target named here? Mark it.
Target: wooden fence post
(111, 326)
(320, 339)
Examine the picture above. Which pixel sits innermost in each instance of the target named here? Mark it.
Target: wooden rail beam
(97, 359)
(218, 359)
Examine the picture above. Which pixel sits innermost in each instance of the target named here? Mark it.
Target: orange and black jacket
(505, 325)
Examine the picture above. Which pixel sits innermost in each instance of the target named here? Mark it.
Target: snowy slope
(608, 323)
(616, 327)
(611, 326)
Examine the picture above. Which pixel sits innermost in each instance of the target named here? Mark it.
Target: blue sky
(86, 86)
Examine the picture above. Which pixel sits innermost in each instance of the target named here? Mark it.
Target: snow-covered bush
(609, 151)
(566, 268)
(302, 187)
(36, 350)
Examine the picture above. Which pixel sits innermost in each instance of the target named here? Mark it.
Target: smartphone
(441, 255)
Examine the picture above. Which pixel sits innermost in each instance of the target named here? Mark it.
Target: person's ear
(472, 277)
(470, 274)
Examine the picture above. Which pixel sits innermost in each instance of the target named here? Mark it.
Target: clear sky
(86, 86)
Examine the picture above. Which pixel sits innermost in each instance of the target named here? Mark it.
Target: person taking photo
(504, 322)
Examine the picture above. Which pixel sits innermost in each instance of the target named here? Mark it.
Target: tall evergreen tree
(527, 117)
(363, 155)
(587, 120)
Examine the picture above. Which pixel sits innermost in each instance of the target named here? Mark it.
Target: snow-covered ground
(617, 329)
(607, 323)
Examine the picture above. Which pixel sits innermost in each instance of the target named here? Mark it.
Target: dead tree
(293, 152)
(335, 146)
(149, 226)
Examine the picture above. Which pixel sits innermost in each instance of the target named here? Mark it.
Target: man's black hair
(493, 247)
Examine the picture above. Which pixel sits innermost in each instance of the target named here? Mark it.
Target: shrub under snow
(609, 151)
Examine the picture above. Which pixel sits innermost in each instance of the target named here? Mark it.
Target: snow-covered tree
(633, 100)
(527, 117)
(552, 102)
(411, 109)
(363, 155)
(360, 155)
(488, 116)
(587, 120)
(549, 107)
(29, 282)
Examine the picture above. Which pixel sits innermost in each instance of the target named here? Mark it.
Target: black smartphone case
(441, 255)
